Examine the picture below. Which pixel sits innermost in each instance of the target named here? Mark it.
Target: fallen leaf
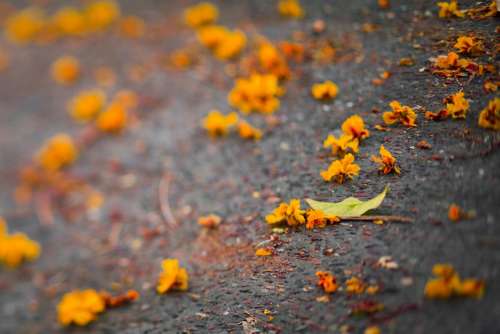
(349, 207)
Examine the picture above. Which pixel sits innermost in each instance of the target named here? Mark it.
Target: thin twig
(399, 219)
(165, 210)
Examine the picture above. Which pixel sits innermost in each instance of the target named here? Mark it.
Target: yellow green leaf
(349, 207)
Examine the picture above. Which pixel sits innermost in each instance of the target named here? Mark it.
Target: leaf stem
(399, 219)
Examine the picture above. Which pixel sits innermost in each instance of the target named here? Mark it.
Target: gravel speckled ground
(229, 286)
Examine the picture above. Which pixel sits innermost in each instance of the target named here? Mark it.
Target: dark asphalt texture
(229, 286)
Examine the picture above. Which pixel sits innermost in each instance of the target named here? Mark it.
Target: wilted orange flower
(86, 105)
(231, 45)
(113, 119)
(437, 116)
(327, 281)
(119, 300)
(272, 61)
(491, 86)
(80, 307)
(489, 117)
(294, 51)
(355, 126)
(449, 9)
(457, 105)
(355, 285)
(290, 213)
(247, 131)
(403, 114)
(372, 330)
(263, 252)
(257, 93)
(317, 218)
(448, 283)
(25, 25)
(386, 161)
(466, 44)
(447, 61)
(211, 36)
(16, 248)
(172, 277)
(101, 13)
(66, 70)
(451, 64)
(58, 152)
(201, 14)
(210, 221)
(132, 26)
(290, 8)
(341, 169)
(324, 91)
(455, 213)
(218, 124)
(341, 145)
(70, 21)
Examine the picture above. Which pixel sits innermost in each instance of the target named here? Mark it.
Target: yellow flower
(447, 61)
(248, 131)
(257, 93)
(263, 252)
(438, 289)
(271, 60)
(25, 25)
(354, 126)
(70, 21)
(218, 124)
(341, 145)
(327, 281)
(291, 213)
(80, 307)
(317, 218)
(86, 105)
(449, 9)
(101, 13)
(324, 91)
(290, 8)
(16, 248)
(341, 169)
(58, 152)
(466, 44)
(457, 105)
(66, 70)
(231, 45)
(372, 329)
(403, 114)
(172, 277)
(471, 288)
(386, 161)
(201, 14)
(132, 26)
(355, 285)
(489, 117)
(113, 119)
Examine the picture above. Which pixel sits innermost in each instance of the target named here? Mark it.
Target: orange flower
(291, 213)
(317, 218)
(341, 145)
(101, 14)
(16, 248)
(457, 105)
(263, 252)
(66, 70)
(449, 9)
(383, 4)
(247, 131)
(325, 91)
(489, 117)
(25, 25)
(201, 14)
(355, 285)
(447, 61)
(341, 169)
(271, 60)
(172, 277)
(58, 152)
(456, 213)
(113, 119)
(386, 161)
(257, 93)
(448, 283)
(231, 45)
(403, 114)
(290, 8)
(354, 126)
(80, 307)
(86, 105)
(466, 44)
(327, 281)
(210, 221)
(218, 124)
(372, 330)
(70, 21)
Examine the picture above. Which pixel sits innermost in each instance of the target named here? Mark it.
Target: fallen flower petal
(263, 252)
(80, 307)
(327, 281)
(387, 162)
